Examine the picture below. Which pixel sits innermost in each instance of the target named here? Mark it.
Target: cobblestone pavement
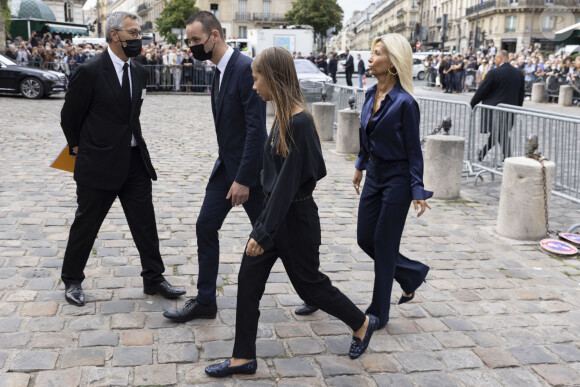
(492, 312)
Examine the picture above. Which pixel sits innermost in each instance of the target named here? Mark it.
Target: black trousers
(93, 205)
(213, 212)
(498, 125)
(296, 243)
(383, 208)
(348, 75)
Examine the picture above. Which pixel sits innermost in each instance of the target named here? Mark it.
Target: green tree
(5, 17)
(174, 15)
(319, 14)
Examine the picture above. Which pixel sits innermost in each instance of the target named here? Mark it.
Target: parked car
(31, 82)
(418, 69)
(312, 81)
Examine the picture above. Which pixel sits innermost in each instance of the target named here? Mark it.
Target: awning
(572, 31)
(509, 40)
(64, 29)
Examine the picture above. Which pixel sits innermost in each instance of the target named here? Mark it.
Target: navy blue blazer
(393, 134)
(240, 123)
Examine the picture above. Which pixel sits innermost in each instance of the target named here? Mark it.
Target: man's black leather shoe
(190, 311)
(223, 369)
(358, 346)
(165, 289)
(74, 294)
(305, 310)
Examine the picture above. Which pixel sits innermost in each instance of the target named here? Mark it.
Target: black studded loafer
(358, 346)
(165, 289)
(223, 369)
(74, 294)
(305, 310)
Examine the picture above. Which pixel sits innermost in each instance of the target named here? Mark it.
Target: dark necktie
(216, 85)
(126, 87)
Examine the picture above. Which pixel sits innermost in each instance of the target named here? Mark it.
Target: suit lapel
(226, 79)
(137, 88)
(111, 76)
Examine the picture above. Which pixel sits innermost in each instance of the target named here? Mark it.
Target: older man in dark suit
(100, 119)
(504, 84)
(348, 67)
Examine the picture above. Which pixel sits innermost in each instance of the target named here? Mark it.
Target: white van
(364, 55)
(419, 65)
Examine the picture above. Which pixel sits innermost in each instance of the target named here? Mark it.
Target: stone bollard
(521, 202)
(538, 90)
(347, 137)
(443, 165)
(323, 113)
(270, 109)
(565, 95)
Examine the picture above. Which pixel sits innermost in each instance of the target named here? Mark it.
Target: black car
(30, 82)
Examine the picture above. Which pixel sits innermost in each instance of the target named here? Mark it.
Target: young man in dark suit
(504, 84)
(240, 121)
(348, 67)
(100, 119)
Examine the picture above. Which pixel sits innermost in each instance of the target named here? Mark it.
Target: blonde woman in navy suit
(390, 152)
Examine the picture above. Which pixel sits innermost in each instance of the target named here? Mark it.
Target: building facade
(236, 16)
(468, 24)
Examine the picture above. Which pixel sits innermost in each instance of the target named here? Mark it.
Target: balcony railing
(269, 17)
(147, 26)
(519, 3)
(399, 26)
(143, 8)
(438, 21)
(480, 7)
(401, 11)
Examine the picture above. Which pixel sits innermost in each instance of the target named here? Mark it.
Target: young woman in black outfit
(289, 226)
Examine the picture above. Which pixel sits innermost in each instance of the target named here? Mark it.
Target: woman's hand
(423, 204)
(358, 175)
(253, 248)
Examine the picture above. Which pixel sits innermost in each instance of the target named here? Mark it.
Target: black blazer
(93, 118)
(240, 122)
(504, 84)
(361, 67)
(332, 64)
(349, 64)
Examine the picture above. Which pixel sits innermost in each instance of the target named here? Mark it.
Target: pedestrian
(240, 121)
(459, 73)
(360, 70)
(348, 67)
(391, 154)
(289, 226)
(22, 56)
(332, 66)
(320, 61)
(504, 84)
(102, 128)
(442, 75)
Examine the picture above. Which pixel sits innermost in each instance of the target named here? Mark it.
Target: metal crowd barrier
(502, 131)
(193, 78)
(433, 110)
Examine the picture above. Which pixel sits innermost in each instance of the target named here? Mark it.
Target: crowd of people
(457, 73)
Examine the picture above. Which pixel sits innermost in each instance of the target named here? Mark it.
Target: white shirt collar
(118, 62)
(223, 63)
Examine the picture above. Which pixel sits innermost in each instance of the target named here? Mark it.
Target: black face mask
(133, 47)
(198, 51)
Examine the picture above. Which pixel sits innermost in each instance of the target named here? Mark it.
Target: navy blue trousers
(213, 212)
(382, 212)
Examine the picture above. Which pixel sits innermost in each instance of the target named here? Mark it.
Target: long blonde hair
(276, 65)
(401, 56)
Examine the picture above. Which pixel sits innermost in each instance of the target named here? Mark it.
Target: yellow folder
(64, 161)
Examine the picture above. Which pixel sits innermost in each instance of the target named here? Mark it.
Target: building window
(513, 2)
(68, 12)
(510, 24)
(242, 6)
(547, 23)
(266, 7)
(243, 32)
(213, 8)
(549, 2)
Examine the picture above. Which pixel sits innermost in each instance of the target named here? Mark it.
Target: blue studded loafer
(223, 369)
(358, 346)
